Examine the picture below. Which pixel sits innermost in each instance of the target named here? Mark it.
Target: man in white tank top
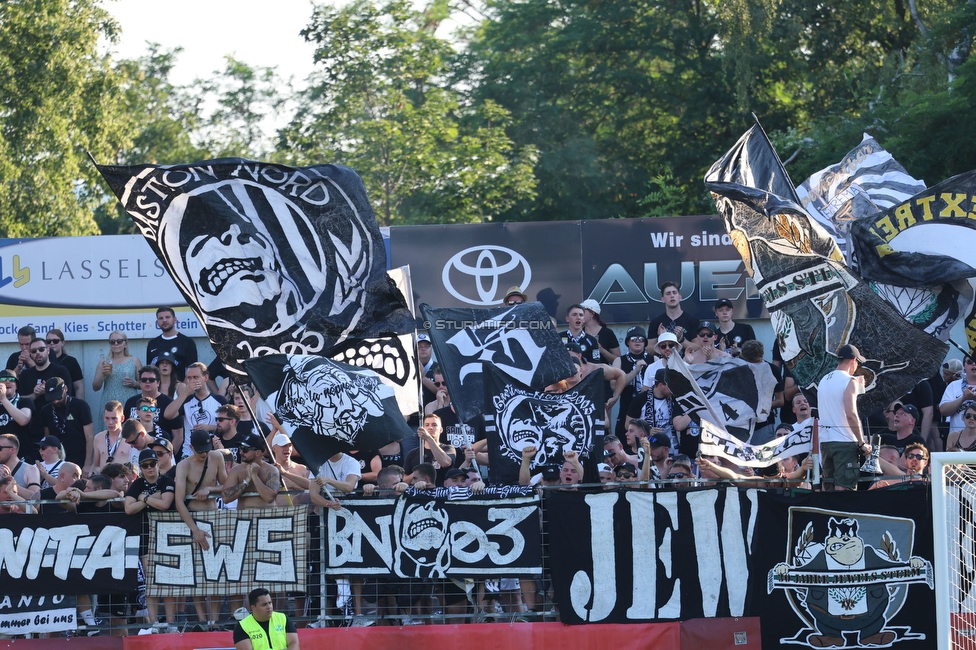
(841, 436)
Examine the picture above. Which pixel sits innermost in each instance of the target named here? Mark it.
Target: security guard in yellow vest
(264, 629)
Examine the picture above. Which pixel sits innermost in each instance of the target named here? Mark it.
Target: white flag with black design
(327, 407)
(270, 258)
(716, 441)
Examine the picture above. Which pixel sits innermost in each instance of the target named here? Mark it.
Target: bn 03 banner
(248, 549)
(70, 551)
(420, 537)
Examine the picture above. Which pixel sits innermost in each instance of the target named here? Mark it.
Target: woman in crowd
(55, 345)
(964, 439)
(115, 375)
(168, 377)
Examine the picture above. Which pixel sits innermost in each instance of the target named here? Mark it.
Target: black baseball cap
(147, 454)
(910, 409)
(723, 302)
(572, 346)
(200, 440)
(253, 441)
(48, 441)
(54, 388)
(850, 352)
(625, 466)
(659, 440)
(708, 325)
(661, 376)
(637, 331)
(454, 472)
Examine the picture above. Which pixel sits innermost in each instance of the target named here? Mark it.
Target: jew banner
(628, 556)
(271, 258)
(853, 573)
(728, 392)
(21, 615)
(70, 551)
(326, 406)
(248, 548)
(816, 303)
(520, 340)
(421, 537)
(517, 417)
(714, 441)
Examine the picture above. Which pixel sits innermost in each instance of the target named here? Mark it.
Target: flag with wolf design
(327, 407)
(517, 416)
(272, 259)
(816, 303)
(856, 574)
(520, 340)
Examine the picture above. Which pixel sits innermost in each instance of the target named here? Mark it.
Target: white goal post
(954, 532)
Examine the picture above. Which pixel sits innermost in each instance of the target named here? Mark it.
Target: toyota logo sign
(477, 271)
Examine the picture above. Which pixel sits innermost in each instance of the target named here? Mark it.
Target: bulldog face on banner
(422, 539)
(553, 424)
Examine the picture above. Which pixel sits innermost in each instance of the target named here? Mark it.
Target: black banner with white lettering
(70, 551)
(248, 549)
(639, 556)
(851, 570)
(521, 341)
(422, 537)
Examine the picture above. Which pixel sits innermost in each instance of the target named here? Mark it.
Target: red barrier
(498, 636)
(76, 643)
(721, 634)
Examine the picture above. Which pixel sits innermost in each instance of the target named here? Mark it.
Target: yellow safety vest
(259, 640)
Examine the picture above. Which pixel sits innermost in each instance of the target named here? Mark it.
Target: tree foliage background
(476, 110)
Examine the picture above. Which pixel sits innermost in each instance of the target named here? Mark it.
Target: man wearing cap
(957, 393)
(252, 475)
(665, 346)
(294, 476)
(701, 346)
(70, 420)
(33, 380)
(595, 327)
(514, 296)
(905, 420)
(614, 454)
(730, 335)
(152, 491)
(673, 320)
(164, 454)
(632, 364)
(589, 346)
(657, 446)
(841, 436)
(198, 476)
(16, 413)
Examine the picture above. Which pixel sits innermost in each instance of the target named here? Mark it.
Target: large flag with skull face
(816, 303)
(327, 407)
(271, 258)
(519, 340)
(516, 417)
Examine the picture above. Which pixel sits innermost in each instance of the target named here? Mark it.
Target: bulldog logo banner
(271, 258)
(517, 416)
(857, 577)
(327, 407)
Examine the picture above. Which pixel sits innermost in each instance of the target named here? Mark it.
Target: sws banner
(71, 551)
(853, 572)
(637, 556)
(248, 549)
(421, 537)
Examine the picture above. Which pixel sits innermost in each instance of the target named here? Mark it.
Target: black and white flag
(327, 407)
(521, 341)
(517, 416)
(730, 393)
(715, 441)
(272, 259)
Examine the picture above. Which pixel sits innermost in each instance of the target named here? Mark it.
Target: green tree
(383, 103)
(60, 99)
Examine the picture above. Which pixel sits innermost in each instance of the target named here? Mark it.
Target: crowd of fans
(176, 434)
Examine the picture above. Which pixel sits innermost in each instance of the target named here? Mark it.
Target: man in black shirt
(21, 360)
(70, 420)
(182, 346)
(15, 415)
(673, 320)
(32, 380)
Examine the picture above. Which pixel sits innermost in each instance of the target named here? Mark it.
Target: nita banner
(248, 549)
(70, 551)
(422, 537)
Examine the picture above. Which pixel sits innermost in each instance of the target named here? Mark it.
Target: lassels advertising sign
(620, 263)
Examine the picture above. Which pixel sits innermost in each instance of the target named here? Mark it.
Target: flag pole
(254, 418)
(815, 452)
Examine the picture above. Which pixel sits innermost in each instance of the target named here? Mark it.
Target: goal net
(954, 527)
